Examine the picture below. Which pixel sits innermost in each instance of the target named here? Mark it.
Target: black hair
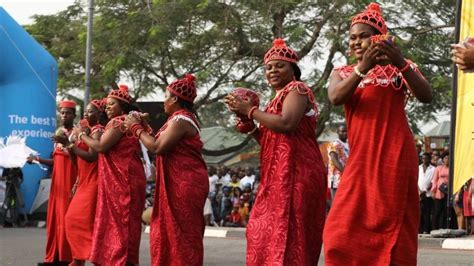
(128, 107)
(296, 71)
(446, 153)
(427, 154)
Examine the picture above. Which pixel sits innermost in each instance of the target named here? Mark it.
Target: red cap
(121, 94)
(67, 104)
(99, 104)
(280, 51)
(371, 16)
(184, 88)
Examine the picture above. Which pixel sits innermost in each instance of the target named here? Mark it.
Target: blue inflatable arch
(28, 76)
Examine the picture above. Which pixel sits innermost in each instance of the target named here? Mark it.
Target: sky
(22, 10)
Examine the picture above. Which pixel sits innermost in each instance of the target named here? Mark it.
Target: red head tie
(121, 94)
(184, 88)
(372, 16)
(67, 104)
(280, 51)
(99, 104)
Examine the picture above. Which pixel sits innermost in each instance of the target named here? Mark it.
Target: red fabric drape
(63, 178)
(120, 203)
(286, 222)
(375, 215)
(182, 185)
(81, 212)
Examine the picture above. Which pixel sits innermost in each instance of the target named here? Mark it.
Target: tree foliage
(153, 42)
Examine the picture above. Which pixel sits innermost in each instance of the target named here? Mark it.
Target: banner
(464, 131)
(28, 75)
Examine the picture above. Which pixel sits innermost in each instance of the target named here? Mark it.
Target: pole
(454, 100)
(90, 16)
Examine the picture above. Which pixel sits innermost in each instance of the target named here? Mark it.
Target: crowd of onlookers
(231, 195)
(438, 210)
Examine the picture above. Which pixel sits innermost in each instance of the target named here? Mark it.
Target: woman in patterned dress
(374, 218)
(286, 222)
(182, 184)
(121, 187)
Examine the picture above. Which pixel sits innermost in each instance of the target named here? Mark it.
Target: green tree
(151, 43)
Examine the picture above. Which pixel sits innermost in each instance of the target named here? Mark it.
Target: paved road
(25, 247)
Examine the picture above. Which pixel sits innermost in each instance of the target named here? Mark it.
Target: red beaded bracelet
(250, 113)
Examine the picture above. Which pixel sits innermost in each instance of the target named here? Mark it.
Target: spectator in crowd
(338, 153)
(244, 209)
(439, 188)
(436, 158)
(234, 181)
(208, 210)
(425, 176)
(468, 205)
(248, 178)
(458, 208)
(224, 177)
(247, 193)
(225, 205)
(236, 193)
(213, 178)
(234, 219)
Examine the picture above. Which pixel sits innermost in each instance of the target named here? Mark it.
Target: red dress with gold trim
(120, 202)
(375, 215)
(182, 186)
(81, 212)
(63, 178)
(286, 222)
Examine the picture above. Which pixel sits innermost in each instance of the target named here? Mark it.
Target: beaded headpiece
(184, 88)
(372, 16)
(67, 104)
(280, 51)
(99, 104)
(121, 94)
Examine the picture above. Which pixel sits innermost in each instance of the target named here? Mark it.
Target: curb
(424, 241)
(464, 243)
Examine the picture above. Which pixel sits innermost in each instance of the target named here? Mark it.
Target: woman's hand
(76, 130)
(61, 139)
(237, 105)
(463, 57)
(392, 52)
(370, 58)
(130, 120)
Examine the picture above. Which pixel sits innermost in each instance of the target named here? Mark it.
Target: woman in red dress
(63, 177)
(81, 212)
(375, 216)
(121, 187)
(286, 222)
(182, 184)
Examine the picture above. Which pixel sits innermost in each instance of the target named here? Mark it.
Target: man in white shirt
(213, 178)
(249, 178)
(425, 175)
